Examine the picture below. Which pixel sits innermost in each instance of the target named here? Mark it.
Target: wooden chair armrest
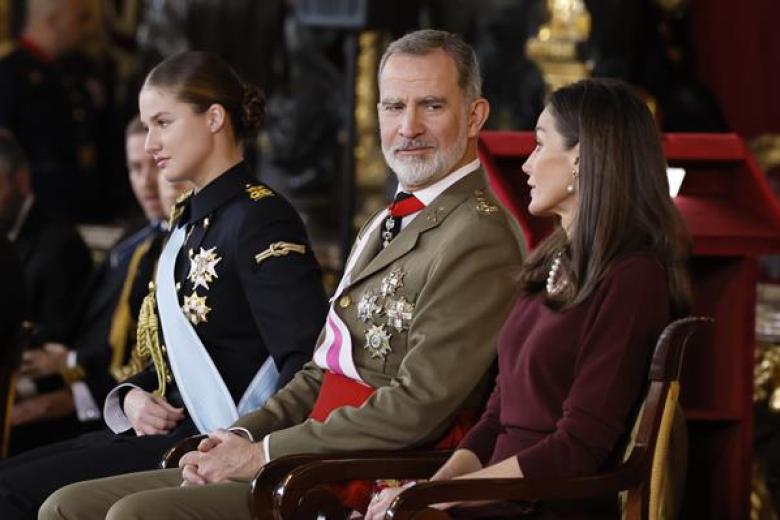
(353, 466)
(172, 456)
(269, 477)
(418, 497)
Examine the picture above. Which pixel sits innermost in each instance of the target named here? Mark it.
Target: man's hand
(222, 456)
(150, 414)
(46, 406)
(40, 362)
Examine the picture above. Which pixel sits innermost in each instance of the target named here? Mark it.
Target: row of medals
(383, 311)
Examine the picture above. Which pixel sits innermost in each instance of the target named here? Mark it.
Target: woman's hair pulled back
(203, 79)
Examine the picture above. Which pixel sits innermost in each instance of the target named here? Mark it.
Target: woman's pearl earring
(570, 188)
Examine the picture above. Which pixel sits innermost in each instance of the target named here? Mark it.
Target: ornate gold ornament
(554, 48)
(148, 342)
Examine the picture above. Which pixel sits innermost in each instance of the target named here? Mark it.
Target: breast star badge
(392, 282)
(368, 307)
(195, 308)
(399, 313)
(377, 342)
(203, 268)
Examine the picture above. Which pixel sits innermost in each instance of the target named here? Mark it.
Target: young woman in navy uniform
(237, 301)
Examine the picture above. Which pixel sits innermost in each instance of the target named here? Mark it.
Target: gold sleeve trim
(280, 249)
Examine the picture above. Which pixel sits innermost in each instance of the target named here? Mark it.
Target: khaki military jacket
(458, 262)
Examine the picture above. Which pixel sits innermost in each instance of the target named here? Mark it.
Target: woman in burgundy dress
(574, 353)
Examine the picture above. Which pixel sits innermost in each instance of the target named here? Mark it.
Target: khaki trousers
(148, 495)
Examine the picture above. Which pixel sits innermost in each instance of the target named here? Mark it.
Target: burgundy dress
(569, 381)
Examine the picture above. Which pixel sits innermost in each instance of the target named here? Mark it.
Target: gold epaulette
(258, 191)
(484, 205)
(178, 208)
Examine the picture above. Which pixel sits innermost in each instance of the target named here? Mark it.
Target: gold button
(178, 286)
(206, 222)
(344, 301)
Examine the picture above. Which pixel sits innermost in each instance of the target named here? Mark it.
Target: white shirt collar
(429, 193)
(21, 217)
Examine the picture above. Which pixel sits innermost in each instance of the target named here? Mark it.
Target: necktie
(403, 205)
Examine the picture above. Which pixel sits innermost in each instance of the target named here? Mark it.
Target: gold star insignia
(195, 308)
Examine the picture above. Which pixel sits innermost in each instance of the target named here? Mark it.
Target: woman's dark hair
(623, 205)
(203, 79)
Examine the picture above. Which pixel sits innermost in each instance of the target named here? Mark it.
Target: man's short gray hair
(426, 41)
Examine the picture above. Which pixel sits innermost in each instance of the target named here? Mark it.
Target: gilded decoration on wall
(370, 170)
(554, 48)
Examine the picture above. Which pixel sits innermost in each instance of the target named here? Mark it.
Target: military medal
(367, 307)
(377, 341)
(195, 308)
(203, 268)
(392, 282)
(399, 313)
(387, 234)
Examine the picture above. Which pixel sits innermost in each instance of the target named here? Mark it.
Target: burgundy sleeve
(482, 437)
(629, 310)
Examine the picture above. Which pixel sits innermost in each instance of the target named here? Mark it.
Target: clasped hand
(45, 361)
(220, 457)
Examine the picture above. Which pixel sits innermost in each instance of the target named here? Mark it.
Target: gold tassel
(122, 322)
(148, 342)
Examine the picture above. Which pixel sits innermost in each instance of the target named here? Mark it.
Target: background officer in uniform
(48, 111)
(91, 358)
(56, 261)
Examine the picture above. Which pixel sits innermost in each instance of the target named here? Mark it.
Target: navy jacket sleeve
(284, 290)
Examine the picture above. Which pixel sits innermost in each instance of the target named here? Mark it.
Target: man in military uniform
(49, 112)
(91, 359)
(413, 325)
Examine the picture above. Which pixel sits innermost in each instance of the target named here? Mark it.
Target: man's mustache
(412, 144)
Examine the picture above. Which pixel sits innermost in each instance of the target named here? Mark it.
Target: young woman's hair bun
(252, 108)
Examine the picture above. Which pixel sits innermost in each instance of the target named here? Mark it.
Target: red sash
(337, 391)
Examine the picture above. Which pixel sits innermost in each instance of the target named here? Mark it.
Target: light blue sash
(203, 391)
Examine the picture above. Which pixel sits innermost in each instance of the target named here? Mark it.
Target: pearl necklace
(554, 288)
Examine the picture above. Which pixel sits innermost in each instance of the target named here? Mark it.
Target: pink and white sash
(335, 352)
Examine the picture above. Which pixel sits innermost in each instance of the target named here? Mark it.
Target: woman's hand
(150, 414)
(382, 500)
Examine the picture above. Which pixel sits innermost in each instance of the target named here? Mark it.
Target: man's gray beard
(419, 171)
